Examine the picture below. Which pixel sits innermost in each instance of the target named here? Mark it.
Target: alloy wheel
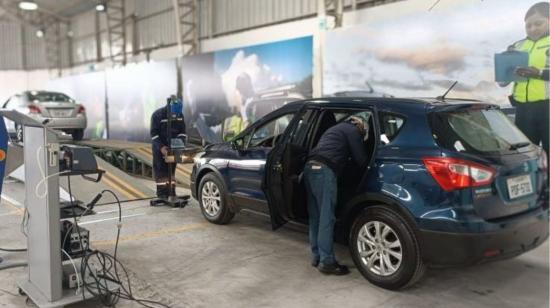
(211, 198)
(379, 248)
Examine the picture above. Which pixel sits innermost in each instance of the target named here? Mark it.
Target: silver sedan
(56, 110)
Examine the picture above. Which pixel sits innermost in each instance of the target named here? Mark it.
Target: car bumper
(514, 238)
(78, 122)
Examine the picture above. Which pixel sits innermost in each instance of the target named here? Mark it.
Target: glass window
(476, 131)
(49, 97)
(390, 125)
(267, 134)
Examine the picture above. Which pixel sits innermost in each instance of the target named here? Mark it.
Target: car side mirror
(237, 144)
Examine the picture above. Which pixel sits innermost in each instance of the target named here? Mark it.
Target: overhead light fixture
(28, 5)
(100, 7)
(40, 33)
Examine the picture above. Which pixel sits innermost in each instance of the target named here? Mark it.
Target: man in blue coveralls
(161, 144)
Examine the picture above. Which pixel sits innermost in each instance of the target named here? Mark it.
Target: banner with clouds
(423, 50)
(248, 82)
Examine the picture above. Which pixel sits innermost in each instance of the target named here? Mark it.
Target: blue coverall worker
(161, 145)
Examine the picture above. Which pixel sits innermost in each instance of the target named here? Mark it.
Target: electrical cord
(43, 175)
(111, 272)
(75, 271)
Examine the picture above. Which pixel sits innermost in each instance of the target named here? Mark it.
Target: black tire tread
(420, 267)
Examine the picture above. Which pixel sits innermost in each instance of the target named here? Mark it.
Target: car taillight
(34, 109)
(452, 173)
(81, 109)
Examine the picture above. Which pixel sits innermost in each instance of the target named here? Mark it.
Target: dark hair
(542, 8)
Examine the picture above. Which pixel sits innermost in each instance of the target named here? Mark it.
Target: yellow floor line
(130, 188)
(120, 189)
(17, 209)
(153, 234)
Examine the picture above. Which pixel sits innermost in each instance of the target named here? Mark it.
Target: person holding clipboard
(530, 93)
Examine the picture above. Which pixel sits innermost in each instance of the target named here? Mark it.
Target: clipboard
(506, 64)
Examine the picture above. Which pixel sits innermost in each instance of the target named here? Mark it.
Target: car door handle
(278, 167)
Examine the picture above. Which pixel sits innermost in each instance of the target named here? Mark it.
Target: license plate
(60, 113)
(519, 186)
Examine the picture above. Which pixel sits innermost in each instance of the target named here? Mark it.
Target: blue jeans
(321, 186)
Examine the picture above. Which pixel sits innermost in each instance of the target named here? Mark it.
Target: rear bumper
(513, 239)
(78, 122)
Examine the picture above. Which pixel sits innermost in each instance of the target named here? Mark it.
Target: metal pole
(318, 42)
(23, 47)
(99, 57)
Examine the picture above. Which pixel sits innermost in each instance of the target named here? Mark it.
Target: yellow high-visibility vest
(232, 127)
(533, 89)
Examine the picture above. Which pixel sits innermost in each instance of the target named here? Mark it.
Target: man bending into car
(325, 163)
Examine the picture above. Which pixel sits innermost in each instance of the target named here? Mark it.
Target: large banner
(411, 49)
(244, 83)
(89, 90)
(134, 92)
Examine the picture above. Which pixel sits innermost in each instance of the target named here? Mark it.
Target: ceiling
(60, 8)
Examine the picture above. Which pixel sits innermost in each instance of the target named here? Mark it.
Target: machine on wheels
(54, 245)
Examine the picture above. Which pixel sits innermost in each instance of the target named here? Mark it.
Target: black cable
(112, 272)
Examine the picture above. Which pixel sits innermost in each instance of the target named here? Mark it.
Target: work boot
(333, 269)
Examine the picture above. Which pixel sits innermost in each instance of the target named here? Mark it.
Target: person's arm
(155, 131)
(532, 72)
(357, 148)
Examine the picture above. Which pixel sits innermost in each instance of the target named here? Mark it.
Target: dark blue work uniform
(160, 138)
(325, 164)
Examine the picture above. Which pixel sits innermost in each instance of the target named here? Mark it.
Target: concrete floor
(175, 256)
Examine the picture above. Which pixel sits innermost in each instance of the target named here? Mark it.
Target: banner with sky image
(248, 81)
(89, 90)
(134, 93)
(406, 49)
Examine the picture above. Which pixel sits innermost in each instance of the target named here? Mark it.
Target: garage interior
(120, 60)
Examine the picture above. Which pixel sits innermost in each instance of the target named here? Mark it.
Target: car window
(390, 125)
(49, 97)
(476, 131)
(299, 135)
(267, 134)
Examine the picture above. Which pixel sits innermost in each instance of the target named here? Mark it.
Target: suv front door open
(283, 168)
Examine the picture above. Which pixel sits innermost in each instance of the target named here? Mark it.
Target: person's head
(235, 110)
(537, 20)
(176, 106)
(243, 84)
(359, 123)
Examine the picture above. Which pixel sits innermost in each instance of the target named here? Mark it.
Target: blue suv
(450, 182)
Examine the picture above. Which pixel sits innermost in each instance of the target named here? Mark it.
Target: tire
(400, 239)
(212, 200)
(77, 134)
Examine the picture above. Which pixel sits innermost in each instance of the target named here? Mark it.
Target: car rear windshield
(476, 131)
(49, 97)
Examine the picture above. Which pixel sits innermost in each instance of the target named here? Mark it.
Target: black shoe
(314, 263)
(333, 269)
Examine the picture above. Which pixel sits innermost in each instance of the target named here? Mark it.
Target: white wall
(12, 82)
